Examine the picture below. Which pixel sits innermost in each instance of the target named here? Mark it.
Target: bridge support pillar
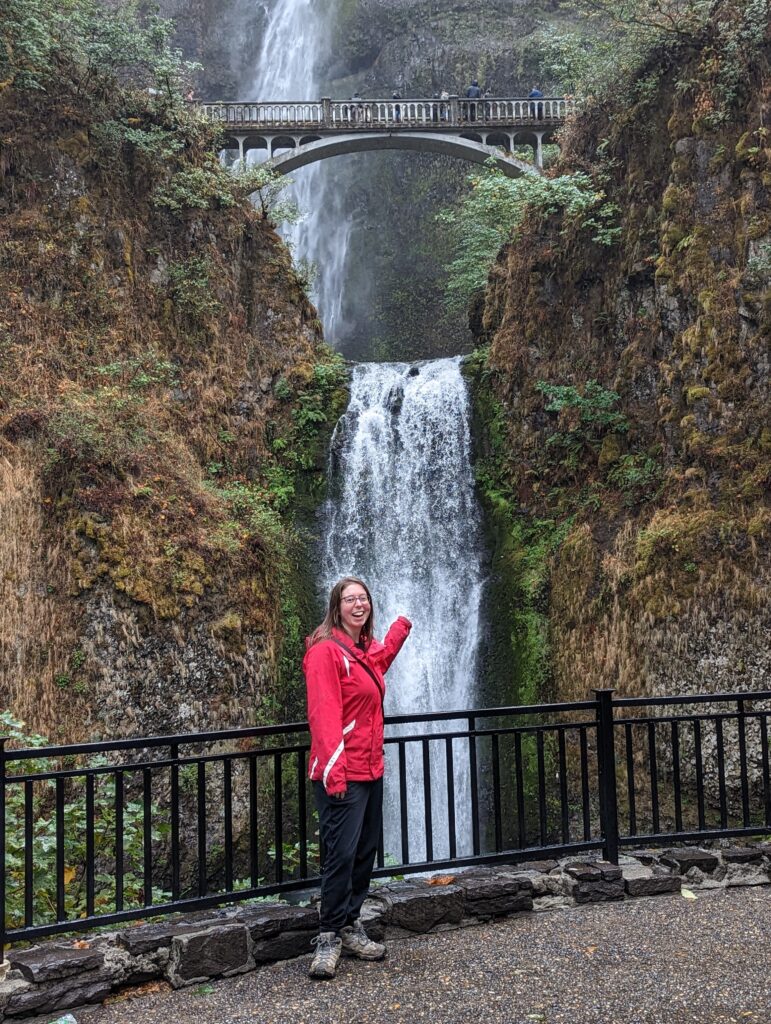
(539, 150)
(241, 139)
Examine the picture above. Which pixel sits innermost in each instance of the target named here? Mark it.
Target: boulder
(652, 884)
(222, 949)
(266, 920)
(418, 908)
(145, 938)
(54, 962)
(495, 895)
(598, 892)
(544, 866)
(284, 946)
(58, 995)
(583, 872)
(689, 857)
(742, 855)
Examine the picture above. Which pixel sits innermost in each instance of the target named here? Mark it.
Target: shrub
(497, 205)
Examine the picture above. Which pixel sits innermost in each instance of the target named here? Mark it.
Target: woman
(344, 667)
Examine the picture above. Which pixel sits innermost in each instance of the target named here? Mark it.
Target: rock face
(131, 559)
(656, 589)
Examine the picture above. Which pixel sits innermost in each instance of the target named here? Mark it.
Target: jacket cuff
(336, 787)
(405, 620)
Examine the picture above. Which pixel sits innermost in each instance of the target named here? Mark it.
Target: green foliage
(140, 372)
(152, 140)
(44, 839)
(213, 185)
(637, 474)
(497, 205)
(89, 44)
(195, 188)
(759, 266)
(609, 53)
(586, 415)
(191, 290)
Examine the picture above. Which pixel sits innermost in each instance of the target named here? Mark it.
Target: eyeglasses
(357, 599)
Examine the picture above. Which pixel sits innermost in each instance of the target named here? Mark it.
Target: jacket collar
(372, 647)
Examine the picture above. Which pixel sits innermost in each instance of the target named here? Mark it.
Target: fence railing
(394, 114)
(101, 833)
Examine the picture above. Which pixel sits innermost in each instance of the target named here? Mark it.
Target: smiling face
(354, 609)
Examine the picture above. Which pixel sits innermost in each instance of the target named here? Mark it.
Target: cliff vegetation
(623, 381)
(165, 396)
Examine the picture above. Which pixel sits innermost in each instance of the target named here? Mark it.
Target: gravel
(663, 960)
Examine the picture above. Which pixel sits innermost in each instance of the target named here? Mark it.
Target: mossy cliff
(624, 389)
(164, 408)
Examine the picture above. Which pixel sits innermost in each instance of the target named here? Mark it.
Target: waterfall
(403, 516)
(296, 40)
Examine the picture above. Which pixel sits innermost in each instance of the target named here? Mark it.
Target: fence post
(606, 759)
(454, 110)
(4, 964)
(326, 111)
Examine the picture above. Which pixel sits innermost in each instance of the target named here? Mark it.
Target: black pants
(350, 832)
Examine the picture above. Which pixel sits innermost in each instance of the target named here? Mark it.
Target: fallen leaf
(590, 950)
(688, 895)
(82, 944)
(441, 880)
(136, 991)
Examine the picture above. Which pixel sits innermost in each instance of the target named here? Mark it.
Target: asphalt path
(658, 960)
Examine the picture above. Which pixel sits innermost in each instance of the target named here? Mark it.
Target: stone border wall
(195, 948)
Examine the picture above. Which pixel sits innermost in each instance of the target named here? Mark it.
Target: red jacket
(345, 707)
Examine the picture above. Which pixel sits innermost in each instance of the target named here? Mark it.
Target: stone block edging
(59, 975)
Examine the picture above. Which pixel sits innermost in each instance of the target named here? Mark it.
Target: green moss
(696, 394)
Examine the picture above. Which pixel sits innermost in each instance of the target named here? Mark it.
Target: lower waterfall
(402, 514)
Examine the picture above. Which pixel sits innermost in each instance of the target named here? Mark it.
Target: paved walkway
(661, 960)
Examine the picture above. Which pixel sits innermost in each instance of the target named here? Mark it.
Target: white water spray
(405, 518)
(296, 40)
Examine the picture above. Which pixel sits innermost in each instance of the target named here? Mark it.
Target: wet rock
(54, 962)
(688, 858)
(372, 917)
(742, 855)
(12, 986)
(646, 881)
(493, 896)
(221, 950)
(147, 937)
(58, 995)
(544, 866)
(598, 892)
(268, 920)
(284, 946)
(420, 908)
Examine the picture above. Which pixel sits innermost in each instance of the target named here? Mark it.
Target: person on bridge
(536, 109)
(473, 93)
(344, 667)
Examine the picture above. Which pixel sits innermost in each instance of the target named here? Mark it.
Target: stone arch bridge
(299, 133)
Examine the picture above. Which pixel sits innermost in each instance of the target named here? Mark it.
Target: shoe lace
(323, 942)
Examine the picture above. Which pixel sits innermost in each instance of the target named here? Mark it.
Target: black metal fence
(100, 833)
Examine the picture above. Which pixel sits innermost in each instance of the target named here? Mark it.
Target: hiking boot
(356, 942)
(327, 954)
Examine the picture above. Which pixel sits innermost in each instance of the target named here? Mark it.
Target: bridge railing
(92, 834)
(394, 114)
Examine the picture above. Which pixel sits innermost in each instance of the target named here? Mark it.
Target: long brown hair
(333, 619)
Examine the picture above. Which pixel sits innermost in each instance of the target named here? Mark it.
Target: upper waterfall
(295, 43)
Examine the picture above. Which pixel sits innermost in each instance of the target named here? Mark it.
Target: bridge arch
(472, 149)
